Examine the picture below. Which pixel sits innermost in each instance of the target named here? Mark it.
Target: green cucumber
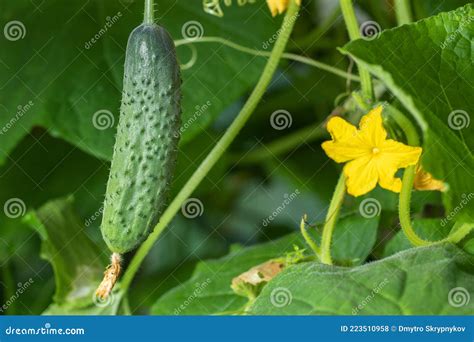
(147, 137)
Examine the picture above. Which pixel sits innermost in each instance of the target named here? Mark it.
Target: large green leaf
(68, 77)
(435, 280)
(429, 66)
(77, 262)
(208, 290)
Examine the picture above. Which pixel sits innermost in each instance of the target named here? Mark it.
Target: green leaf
(434, 280)
(77, 262)
(354, 238)
(428, 65)
(208, 290)
(68, 77)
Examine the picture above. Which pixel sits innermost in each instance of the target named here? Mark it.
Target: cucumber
(147, 137)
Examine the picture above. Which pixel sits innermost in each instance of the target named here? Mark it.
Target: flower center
(375, 150)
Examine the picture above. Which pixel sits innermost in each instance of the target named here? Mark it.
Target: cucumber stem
(149, 15)
(219, 149)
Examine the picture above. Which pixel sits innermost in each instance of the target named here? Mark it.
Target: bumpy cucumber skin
(146, 144)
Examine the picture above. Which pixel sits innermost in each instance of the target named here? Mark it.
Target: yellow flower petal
(397, 155)
(387, 179)
(345, 145)
(371, 157)
(340, 129)
(371, 127)
(424, 181)
(279, 6)
(361, 176)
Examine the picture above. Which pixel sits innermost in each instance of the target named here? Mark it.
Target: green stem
(403, 11)
(309, 240)
(457, 233)
(290, 56)
(149, 15)
(354, 33)
(408, 179)
(220, 147)
(331, 219)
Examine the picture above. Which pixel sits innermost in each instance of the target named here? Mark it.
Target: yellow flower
(279, 6)
(425, 181)
(371, 157)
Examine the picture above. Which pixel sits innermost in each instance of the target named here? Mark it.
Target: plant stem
(367, 91)
(290, 56)
(457, 233)
(354, 33)
(309, 240)
(220, 148)
(403, 11)
(331, 219)
(149, 15)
